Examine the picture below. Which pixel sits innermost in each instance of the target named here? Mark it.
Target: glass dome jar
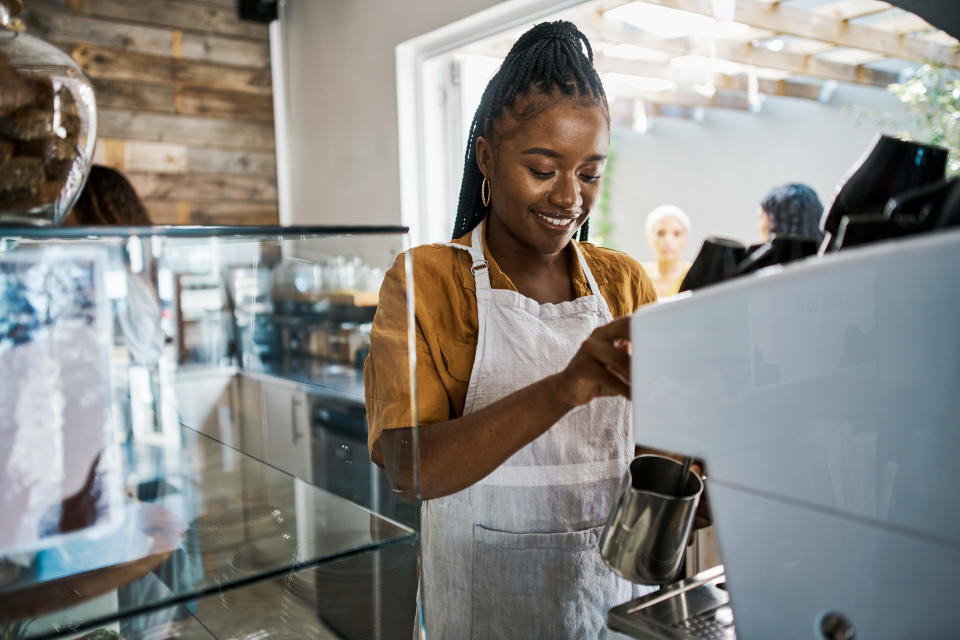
(48, 125)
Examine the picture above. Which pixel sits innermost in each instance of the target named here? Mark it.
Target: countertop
(313, 374)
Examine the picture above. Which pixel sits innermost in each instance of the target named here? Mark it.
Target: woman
(667, 230)
(792, 208)
(522, 371)
(107, 198)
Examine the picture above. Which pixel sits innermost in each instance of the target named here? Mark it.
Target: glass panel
(217, 391)
(189, 231)
(324, 602)
(177, 621)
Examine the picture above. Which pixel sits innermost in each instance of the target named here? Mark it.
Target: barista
(522, 369)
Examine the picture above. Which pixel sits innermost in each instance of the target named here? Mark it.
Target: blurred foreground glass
(228, 376)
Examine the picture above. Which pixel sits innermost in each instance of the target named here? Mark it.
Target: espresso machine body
(824, 396)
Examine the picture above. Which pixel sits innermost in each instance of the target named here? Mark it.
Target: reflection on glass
(237, 404)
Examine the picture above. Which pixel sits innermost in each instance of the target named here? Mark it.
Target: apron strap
(481, 273)
(479, 266)
(591, 281)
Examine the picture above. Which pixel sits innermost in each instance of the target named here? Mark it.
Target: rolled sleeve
(386, 372)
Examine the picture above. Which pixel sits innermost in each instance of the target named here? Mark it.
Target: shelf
(243, 521)
(204, 233)
(332, 298)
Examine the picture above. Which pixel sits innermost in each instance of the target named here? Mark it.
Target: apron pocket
(541, 585)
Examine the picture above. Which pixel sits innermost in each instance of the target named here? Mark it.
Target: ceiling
(681, 57)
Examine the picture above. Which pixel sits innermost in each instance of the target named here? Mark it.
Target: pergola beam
(852, 56)
(689, 77)
(623, 111)
(849, 9)
(720, 81)
(747, 53)
(805, 24)
(721, 100)
(903, 24)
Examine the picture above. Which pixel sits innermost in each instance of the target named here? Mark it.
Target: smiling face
(667, 238)
(545, 173)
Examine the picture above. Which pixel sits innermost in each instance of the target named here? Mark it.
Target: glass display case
(184, 434)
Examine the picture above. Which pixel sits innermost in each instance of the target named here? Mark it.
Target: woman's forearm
(458, 453)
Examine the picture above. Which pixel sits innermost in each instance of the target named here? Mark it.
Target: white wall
(342, 132)
(720, 169)
(342, 102)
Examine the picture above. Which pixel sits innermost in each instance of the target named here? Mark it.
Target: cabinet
(206, 400)
(276, 423)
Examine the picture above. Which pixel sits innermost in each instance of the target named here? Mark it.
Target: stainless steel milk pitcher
(648, 528)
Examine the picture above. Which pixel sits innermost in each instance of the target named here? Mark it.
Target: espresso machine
(824, 396)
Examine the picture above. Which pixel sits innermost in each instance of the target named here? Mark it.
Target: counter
(317, 377)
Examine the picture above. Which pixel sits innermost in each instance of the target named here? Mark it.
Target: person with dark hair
(522, 370)
(792, 208)
(107, 198)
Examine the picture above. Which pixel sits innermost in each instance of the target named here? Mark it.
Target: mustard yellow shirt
(665, 287)
(446, 329)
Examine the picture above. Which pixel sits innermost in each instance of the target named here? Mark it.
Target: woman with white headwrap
(667, 230)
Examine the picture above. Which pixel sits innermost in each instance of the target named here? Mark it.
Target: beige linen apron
(515, 555)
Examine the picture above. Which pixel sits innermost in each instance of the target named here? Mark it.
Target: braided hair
(549, 58)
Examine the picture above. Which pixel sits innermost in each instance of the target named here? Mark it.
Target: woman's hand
(703, 518)
(457, 453)
(600, 368)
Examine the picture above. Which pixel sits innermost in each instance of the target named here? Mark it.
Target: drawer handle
(294, 404)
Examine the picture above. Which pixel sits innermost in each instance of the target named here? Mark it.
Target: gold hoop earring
(485, 192)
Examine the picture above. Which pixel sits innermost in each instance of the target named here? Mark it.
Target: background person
(668, 228)
(792, 208)
(107, 198)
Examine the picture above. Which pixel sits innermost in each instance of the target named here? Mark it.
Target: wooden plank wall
(185, 101)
